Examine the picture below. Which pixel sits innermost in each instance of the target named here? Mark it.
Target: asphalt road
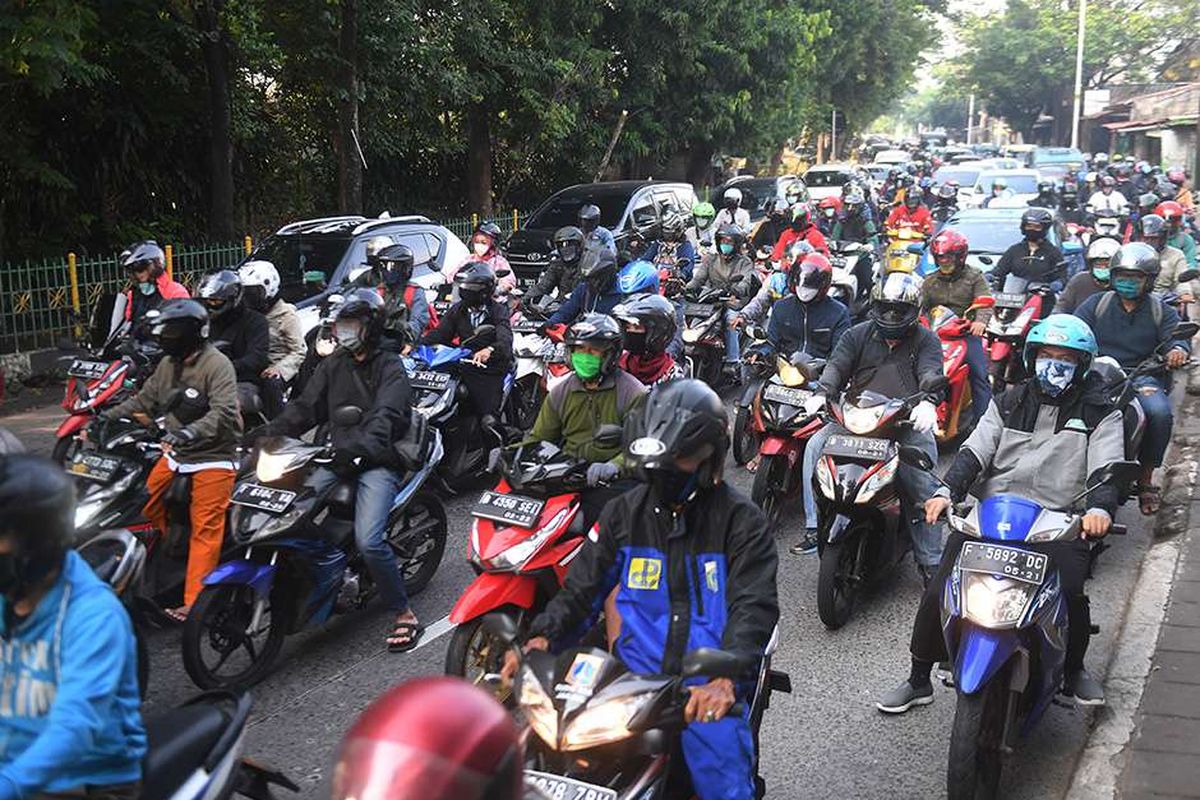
(826, 740)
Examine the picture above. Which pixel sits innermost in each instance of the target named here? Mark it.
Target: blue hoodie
(69, 701)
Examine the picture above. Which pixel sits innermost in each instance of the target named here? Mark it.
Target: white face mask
(806, 294)
(480, 248)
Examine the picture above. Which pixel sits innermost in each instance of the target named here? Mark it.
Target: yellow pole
(474, 221)
(514, 219)
(73, 273)
(169, 252)
(248, 244)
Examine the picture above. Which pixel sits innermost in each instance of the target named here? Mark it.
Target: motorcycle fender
(774, 445)
(981, 653)
(245, 573)
(490, 591)
(838, 528)
(72, 425)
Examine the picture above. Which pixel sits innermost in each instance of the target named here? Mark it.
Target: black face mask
(177, 343)
(635, 342)
(472, 298)
(256, 297)
(1035, 236)
(672, 485)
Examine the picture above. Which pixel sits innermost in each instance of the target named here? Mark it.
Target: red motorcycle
(953, 331)
(1013, 315)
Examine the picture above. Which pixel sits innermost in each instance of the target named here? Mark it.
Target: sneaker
(1086, 690)
(807, 545)
(904, 697)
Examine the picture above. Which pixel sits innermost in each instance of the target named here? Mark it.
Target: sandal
(752, 464)
(1149, 499)
(175, 616)
(412, 630)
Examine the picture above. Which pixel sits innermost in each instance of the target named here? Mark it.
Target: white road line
(435, 631)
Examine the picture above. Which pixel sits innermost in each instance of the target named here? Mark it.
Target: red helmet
(950, 243)
(1169, 210)
(810, 277)
(1177, 175)
(434, 738)
(830, 206)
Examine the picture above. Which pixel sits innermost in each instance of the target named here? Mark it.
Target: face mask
(9, 574)
(1035, 236)
(731, 205)
(829, 213)
(1054, 375)
(726, 248)
(806, 294)
(797, 225)
(393, 277)
(703, 222)
(635, 342)
(673, 485)
(472, 298)
(147, 287)
(586, 365)
(568, 252)
(348, 336)
(1129, 288)
(1100, 274)
(480, 248)
(256, 297)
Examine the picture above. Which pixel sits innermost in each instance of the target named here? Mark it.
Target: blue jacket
(813, 327)
(69, 701)
(1129, 336)
(684, 251)
(603, 237)
(581, 301)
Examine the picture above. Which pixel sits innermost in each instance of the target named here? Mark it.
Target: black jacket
(378, 385)
(861, 359)
(455, 326)
(1045, 265)
(248, 338)
(559, 275)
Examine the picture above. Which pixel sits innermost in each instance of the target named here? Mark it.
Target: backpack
(410, 292)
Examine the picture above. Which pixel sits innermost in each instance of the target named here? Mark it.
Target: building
(1155, 123)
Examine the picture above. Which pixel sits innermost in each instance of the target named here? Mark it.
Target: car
(624, 206)
(1021, 152)
(892, 157)
(1022, 184)
(991, 231)
(878, 172)
(1065, 158)
(827, 180)
(965, 175)
(756, 192)
(1000, 163)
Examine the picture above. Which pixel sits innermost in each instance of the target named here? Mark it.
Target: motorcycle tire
(745, 438)
(216, 617)
(472, 653)
(767, 490)
(419, 524)
(835, 593)
(976, 759)
(524, 403)
(65, 449)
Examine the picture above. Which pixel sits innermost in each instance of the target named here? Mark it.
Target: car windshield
(294, 255)
(1058, 155)
(1017, 184)
(761, 190)
(988, 234)
(965, 177)
(563, 209)
(825, 177)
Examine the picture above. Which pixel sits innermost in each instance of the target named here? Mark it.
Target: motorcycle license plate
(88, 370)
(264, 498)
(526, 326)
(1011, 562)
(511, 509)
(95, 467)
(857, 447)
(786, 395)
(698, 309)
(561, 788)
(429, 379)
(1009, 300)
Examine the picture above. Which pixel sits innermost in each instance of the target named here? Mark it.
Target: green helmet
(1062, 330)
(703, 211)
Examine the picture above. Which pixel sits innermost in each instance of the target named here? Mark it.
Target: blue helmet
(1062, 330)
(638, 277)
(777, 284)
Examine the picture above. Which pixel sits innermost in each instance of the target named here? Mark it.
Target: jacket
(1081, 286)
(404, 323)
(582, 301)
(1130, 336)
(811, 234)
(571, 414)
(167, 290)
(247, 339)
(702, 578)
(1182, 241)
(504, 283)
(739, 219)
(70, 708)
(920, 219)
(287, 348)
(1115, 202)
(561, 275)
(669, 254)
(456, 326)
(209, 372)
(812, 327)
(1045, 264)
(956, 291)
(1042, 450)
(378, 385)
(735, 275)
(862, 360)
(854, 228)
(1172, 262)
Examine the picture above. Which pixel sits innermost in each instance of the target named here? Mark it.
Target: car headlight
(825, 478)
(995, 602)
(538, 708)
(514, 557)
(272, 466)
(861, 420)
(1017, 325)
(604, 723)
(878, 479)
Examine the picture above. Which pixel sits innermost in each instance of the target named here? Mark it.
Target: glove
(493, 460)
(181, 437)
(923, 417)
(600, 473)
(815, 404)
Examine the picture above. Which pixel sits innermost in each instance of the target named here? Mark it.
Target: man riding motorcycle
(648, 325)
(771, 227)
(1064, 417)
(286, 348)
(1177, 237)
(1046, 196)
(731, 270)
(673, 251)
(1092, 281)
(1129, 324)
(732, 213)
(562, 274)
(1171, 260)
(1033, 258)
(801, 230)
(1108, 199)
(596, 293)
(652, 544)
(774, 288)
(911, 214)
(856, 223)
(144, 263)
(241, 332)
(828, 211)
(946, 205)
(597, 237)
(704, 228)
(406, 308)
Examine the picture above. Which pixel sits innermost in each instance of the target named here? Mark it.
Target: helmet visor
(379, 770)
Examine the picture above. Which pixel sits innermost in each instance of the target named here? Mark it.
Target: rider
(893, 355)
(597, 236)
(775, 287)
(1092, 281)
(732, 212)
(771, 227)
(1171, 260)
(947, 204)
(406, 308)
(597, 291)
(955, 285)
(828, 211)
(730, 270)
(912, 214)
(71, 724)
(652, 544)
(562, 274)
(807, 318)
(855, 223)
(1108, 199)
(1172, 212)
(195, 387)
(704, 228)
(150, 284)
(1033, 258)
(673, 251)
(360, 374)
(1061, 417)
(648, 325)
(240, 332)
(485, 248)
(1000, 191)
(1069, 209)
(286, 348)
(801, 230)
(1046, 196)
(1130, 324)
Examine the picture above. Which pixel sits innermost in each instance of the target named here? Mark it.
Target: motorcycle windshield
(1007, 517)
(436, 355)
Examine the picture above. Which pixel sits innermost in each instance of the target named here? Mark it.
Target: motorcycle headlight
(604, 723)
(861, 420)
(436, 407)
(514, 557)
(995, 602)
(538, 708)
(825, 478)
(272, 466)
(1017, 325)
(877, 480)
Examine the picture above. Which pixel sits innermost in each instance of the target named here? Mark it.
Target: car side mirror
(346, 416)
(713, 663)
(916, 457)
(501, 626)
(1188, 275)
(608, 436)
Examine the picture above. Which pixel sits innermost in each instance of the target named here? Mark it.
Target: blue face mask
(1129, 288)
(726, 248)
(1100, 274)
(1053, 375)
(147, 287)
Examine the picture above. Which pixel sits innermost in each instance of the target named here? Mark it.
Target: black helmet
(492, 231)
(476, 282)
(1035, 222)
(653, 312)
(731, 235)
(221, 292)
(39, 516)
(896, 304)
(673, 226)
(568, 241)
(141, 255)
(1153, 227)
(1135, 257)
(601, 332)
(180, 326)
(366, 307)
(599, 269)
(681, 419)
(1045, 187)
(946, 192)
(589, 217)
(396, 264)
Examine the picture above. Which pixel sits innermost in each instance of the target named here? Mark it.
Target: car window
(667, 201)
(686, 198)
(824, 178)
(1017, 184)
(295, 255)
(644, 214)
(987, 234)
(563, 209)
(420, 245)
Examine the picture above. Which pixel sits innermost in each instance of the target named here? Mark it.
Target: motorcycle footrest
(779, 681)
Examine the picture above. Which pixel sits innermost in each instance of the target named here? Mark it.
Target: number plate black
(510, 509)
(698, 309)
(88, 370)
(95, 467)
(429, 379)
(561, 788)
(786, 394)
(264, 498)
(1011, 562)
(858, 447)
(1009, 300)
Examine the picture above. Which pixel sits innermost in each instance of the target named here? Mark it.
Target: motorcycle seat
(178, 742)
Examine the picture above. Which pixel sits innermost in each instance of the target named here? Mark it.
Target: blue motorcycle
(297, 563)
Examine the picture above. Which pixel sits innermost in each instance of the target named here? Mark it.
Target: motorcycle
(900, 255)
(525, 533)
(603, 733)
(953, 331)
(704, 335)
(1014, 313)
(541, 360)
(300, 564)
(1107, 225)
(857, 260)
(860, 533)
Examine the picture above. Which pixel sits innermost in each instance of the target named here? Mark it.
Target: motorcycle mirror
(934, 384)
(1188, 275)
(501, 626)
(916, 457)
(503, 273)
(346, 416)
(608, 436)
(713, 663)
(984, 301)
(986, 260)
(915, 249)
(1185, 330)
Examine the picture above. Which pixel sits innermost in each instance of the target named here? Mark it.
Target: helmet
(703, 214)
(673, 225)
(589, 217)
(439, 738)
(777, 285)
(946, 192)
(810, 277)
(912, 197)
(221, 292)
(476, 283)
(365, 307)
(1170, 211)
(601, 332)
(39, 516)
(1102, 249)
(728, 234)
(950, 242)
(1035, 222)
(896, 304)
(1108, 182)
(396, 264)
(598, 268)
(260, 281)
(732, 197)
(925, 182)
(795, 252)
(653, 312)
(180, 326)
(1154, 230)
(1144, 167)
(1091, 177)
(1062, 330)
(1045, 187)
(1177, 175)
(637, 277)
(1117, 158)
(893, 173)
(681, 419)
(488, 236)
(374, 246)
(1100, 158)
(801, 218)
(854, 198)
(830, 206)
(1147, 202)
(568, 241)
(144, 255)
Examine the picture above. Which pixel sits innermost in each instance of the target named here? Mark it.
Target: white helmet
(1102, 248)
(260, 273)
(733, 194)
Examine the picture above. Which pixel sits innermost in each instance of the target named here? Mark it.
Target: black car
(624, 206)
(756, 192)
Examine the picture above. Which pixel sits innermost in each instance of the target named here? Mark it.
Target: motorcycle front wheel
(745, 438)
(473, 653)
(837, 582)
(417, 535)
(224, 645)
(65, 449)
(976, 756)
(767, 490)
(525, 402)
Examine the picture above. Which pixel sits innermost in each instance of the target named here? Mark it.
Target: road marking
(435, 631)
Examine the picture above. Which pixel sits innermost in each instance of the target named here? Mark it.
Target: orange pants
(211, 489)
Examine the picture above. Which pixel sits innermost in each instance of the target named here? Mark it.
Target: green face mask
(1100, 274)
(1129, 288)
(147, 287)
(586, 365)
(726, 248)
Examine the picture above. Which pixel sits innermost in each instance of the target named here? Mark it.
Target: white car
(827, 180)
(1022, 187)
(892, 157)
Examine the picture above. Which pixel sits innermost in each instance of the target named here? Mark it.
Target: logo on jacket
(1076, 424)
(710, 576)
(644, 573)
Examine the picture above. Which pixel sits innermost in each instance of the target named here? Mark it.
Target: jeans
(916, 486)
(1155, 400)
(981, 388)
(733, 341)
(377, 488)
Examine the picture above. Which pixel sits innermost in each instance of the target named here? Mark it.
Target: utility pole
(970, 116)
(1077, 107)
(833, 136)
